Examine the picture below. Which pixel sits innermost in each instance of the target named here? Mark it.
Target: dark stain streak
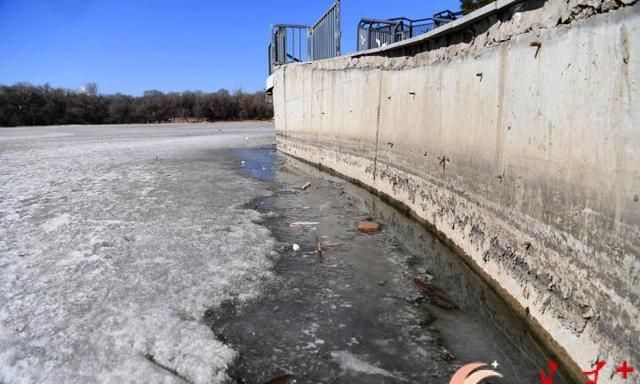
(443, 161)
(625, 46)
(538, 45)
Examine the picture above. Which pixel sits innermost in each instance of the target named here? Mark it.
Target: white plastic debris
(296, 247)
(303, 224)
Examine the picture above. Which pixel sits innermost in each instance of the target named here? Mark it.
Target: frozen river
(114, 240)
(165, 254)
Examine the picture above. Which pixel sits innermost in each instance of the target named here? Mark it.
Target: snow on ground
(113, 243)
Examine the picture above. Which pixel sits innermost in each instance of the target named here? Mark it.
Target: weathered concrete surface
(514, 139)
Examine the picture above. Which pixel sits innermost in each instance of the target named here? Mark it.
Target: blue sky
(132, 46)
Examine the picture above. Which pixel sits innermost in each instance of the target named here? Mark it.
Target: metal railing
(325, 34)
(375, 33)
(290, 43)
(446, 16)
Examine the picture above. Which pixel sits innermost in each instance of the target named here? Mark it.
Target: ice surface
(350, 362)
(110, 251)
(56, 222)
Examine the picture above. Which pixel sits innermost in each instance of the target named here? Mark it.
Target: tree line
(26, 104)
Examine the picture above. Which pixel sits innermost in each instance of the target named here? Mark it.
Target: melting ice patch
(350, 362)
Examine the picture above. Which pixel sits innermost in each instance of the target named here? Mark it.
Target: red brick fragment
(368, 227)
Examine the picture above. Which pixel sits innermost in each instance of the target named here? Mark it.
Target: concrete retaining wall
(515, 136)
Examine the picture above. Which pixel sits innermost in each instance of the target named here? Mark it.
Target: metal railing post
(338, 32)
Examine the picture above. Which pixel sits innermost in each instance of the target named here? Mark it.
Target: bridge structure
(511, 133)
